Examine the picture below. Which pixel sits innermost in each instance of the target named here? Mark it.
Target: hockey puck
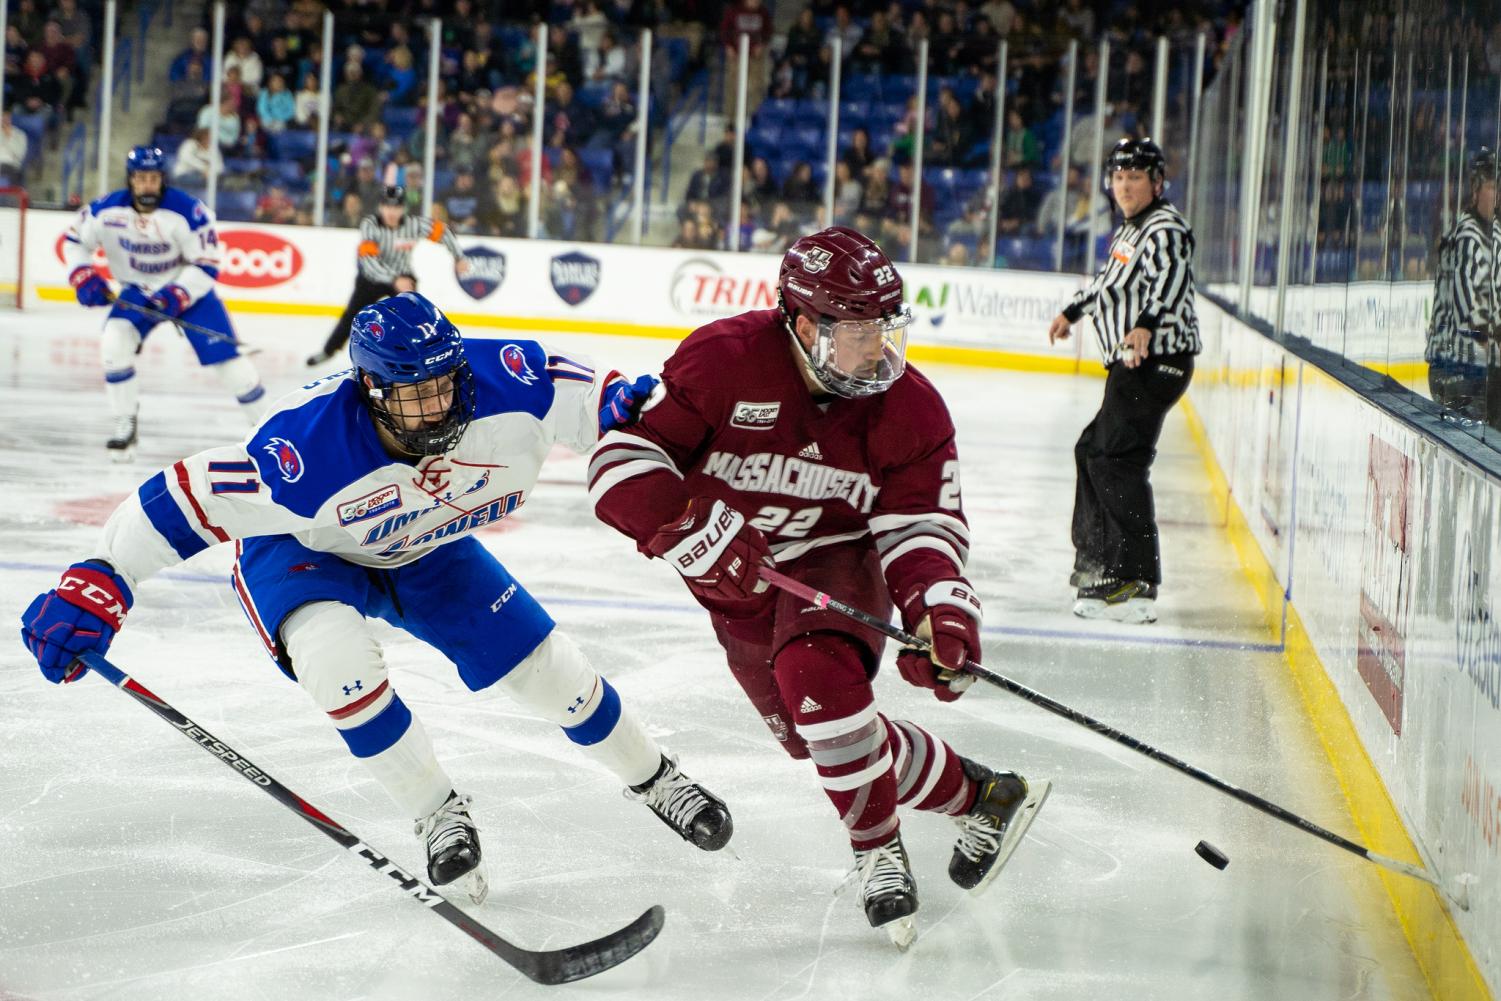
(1212, 855)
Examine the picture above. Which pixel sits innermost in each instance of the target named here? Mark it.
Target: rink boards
(1373, 551)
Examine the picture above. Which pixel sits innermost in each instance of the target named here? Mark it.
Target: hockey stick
(556, 966)
(822, 600)
(184, 325)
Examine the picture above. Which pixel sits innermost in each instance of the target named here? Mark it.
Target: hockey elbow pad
(81, 615)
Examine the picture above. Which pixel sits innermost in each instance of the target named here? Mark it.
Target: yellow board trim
(1441, 951)
(944, 354)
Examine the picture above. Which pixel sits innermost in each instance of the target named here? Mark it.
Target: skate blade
(1137, 611)
(1037, 794)
(902, 932)
(122, 454)
(473, 884)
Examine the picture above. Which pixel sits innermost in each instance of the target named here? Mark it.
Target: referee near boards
(1142, 302)
(387, 237)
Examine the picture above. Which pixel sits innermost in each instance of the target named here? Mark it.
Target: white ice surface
(132, 866)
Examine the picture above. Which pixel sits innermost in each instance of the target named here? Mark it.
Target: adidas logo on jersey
(809, 706)
(811, 452)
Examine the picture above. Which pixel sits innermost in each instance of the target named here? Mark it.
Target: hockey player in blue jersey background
(162, 247)
(358, 498)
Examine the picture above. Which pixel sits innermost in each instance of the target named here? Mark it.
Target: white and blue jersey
(322, 512)
(174, 244)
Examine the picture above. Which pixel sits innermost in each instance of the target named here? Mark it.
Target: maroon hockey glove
(948, 613)
(717, 553)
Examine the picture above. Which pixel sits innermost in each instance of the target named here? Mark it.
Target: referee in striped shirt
(387, 238)
(1466, 313)
(1142, 302)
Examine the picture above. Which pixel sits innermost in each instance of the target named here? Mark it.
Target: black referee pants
(365, 293)
(1115, 520)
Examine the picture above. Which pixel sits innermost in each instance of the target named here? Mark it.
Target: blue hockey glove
(134, 295)
(171, 299)
(81, 614)
(622, 401)
(90, 287)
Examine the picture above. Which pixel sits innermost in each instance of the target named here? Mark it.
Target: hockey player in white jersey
(162, 247)
(358, 498)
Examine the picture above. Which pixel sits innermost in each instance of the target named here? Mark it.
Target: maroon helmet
(845, 284)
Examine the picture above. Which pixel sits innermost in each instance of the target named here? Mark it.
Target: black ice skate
(887, 890)
(453, 852)
(696, 814)
(123, 442)
(1005, 806)
(314, 361)
(1133, 601)
(1088, 576)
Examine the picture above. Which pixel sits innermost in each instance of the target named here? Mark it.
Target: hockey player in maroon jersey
(797, 437)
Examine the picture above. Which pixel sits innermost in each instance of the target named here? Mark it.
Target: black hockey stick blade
(549, 967)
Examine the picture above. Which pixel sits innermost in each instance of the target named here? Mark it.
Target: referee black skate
(1462, 334)
(1142, 302)
(387, 238)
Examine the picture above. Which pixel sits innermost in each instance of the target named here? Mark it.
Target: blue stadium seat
(242, 165)
(236, 206)
(593, 94)
(400, 121)
(600, 163)
(861, 88)
(853, 113)
(167, 143)
(294, 144)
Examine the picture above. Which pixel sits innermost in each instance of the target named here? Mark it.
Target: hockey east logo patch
(487, 271)
(755, 416)
(288, 459)
(370, 505)
(575, 276)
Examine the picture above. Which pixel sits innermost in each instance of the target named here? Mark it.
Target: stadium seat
(237, 206)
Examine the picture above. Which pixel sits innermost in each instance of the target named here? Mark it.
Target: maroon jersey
(734, 420)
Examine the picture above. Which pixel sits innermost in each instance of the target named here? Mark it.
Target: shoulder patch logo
(514, 359)
(288, 459)
(755, 416)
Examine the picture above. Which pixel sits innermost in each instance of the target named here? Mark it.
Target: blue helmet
(146, 158)
(406, 340)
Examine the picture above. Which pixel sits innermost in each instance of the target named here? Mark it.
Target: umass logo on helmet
(487, 270)
(575, 276)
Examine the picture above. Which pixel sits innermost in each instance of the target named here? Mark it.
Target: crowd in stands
(783, 186)
(269, 111)
(49, 56)
(268, 115)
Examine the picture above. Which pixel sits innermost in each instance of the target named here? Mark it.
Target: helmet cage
(394, 409)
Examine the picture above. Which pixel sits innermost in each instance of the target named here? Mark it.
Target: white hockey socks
(238, 375)
(557, 683)
(340, 665)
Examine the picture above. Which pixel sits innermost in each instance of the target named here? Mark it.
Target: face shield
(855, 358)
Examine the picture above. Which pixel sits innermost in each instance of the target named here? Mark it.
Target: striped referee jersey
(1466, 306)
(386, 254)
(1147, 281)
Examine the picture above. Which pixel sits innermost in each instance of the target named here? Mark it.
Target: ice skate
(1090, 576)
(453, 851)
(887, 890)
(313, 361)
(1133, 601)
(121, 445)
(1005, 806)
(697, 815)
